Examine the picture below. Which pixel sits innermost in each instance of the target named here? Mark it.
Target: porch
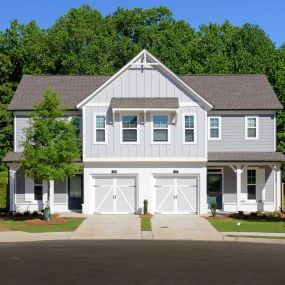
(248, 184)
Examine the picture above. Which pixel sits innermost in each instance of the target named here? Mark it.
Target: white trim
(83, 132)
(138, 128)
(144, 53)
(274, 132)
(241, 112)
(126, 110)
(168, 130)
(256, 127)
(195, 127)
(95, 115)
(219, 128)
(14, 134)
(189, 104)
(206, 133)
(145, 159)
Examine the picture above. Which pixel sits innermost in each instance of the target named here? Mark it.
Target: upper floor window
(251, 184)
(130, 128)
(189, 129)
(100, 133)
(160, 129)
(214, 128)
(251, 127)
(38, 190)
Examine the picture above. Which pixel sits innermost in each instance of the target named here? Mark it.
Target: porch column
(238, 169)
(12, 173)
(51, 197)
(278, 187)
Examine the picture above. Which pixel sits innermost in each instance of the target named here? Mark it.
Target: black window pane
(38, 193)
(100, 135)
(129, 135)
(189, 135)
(251, 192)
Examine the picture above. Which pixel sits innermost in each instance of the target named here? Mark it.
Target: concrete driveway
(183, 227)
(110, 227)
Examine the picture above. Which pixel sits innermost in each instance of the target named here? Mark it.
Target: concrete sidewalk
(183, 227)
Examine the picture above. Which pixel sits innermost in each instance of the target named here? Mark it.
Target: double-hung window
(160, 129)
(251, 184)
(214, 128)
(38, 190)
(129, 128)
(189, 129)
(251, 127)
(100, 134)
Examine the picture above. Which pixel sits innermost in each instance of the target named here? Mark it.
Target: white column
(239, 171)
(12, 189)
(278, 187)
(203, 209)
(51, 196)
(88, 190)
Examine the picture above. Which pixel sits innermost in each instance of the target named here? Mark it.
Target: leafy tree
(51, 147)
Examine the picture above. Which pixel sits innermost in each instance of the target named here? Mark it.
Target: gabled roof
(134, 102)
(223, 92)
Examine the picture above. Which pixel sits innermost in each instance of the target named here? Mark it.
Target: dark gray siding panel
(269, 185)
(60, 195)
(20, 186)
(230, 188)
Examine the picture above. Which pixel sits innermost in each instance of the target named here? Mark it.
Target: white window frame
(168, 129)
(246, 127)
(137, 128)
(184, 129)
(256, 173)
(220, 128)
(95, 127)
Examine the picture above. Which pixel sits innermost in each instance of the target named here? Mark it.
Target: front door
(75, 192)
(214, 188)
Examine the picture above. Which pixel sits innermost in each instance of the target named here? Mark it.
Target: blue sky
(268, 14)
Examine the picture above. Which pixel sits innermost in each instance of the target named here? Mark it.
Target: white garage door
(176, 195)
(115, 195)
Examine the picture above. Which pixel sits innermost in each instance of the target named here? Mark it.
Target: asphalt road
(141, 262)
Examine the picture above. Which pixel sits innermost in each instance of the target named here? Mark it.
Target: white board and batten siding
(143, 83)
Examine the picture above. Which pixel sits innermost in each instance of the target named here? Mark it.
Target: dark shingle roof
(226, 92)
(13, 157)
(246, 156)
(235, 91)
(155, 102)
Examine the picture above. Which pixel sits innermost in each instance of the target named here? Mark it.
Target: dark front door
(75, 192)
(215, 186)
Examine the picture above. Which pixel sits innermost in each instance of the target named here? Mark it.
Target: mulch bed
(146, 216)
(55, 220)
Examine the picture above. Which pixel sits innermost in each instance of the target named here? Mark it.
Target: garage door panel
(126, 199)
(164, 199)
(103, 199)
(127, 181)
(186, 199)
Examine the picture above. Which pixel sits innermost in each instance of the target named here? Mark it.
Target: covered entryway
(115, 195)
(176, 195)
(75, 192)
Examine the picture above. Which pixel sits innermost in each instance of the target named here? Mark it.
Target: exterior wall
(233, 132)
(265, 194)
(143, 83)
(21, 122)
(24, 194)
(145, 178)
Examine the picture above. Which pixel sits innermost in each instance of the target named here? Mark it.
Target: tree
(51, 147)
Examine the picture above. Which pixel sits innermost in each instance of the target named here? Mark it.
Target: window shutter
(260, 184)
(29, 189)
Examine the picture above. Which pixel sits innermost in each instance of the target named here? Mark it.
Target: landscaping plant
(145, 207)
(213, 206)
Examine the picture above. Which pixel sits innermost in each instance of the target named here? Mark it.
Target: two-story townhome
(147, 133)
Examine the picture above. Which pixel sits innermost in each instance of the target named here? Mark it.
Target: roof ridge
(235, 74)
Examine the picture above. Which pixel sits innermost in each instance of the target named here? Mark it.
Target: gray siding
(60, 194)
(147, 83)
(21, 122)
(269, 184)
(230, 186)
(20, 186)
(233, 133)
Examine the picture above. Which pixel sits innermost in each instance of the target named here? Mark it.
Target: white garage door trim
(176, 194)
(115, 194)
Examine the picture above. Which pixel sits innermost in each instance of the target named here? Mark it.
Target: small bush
(27, 213)
(240, 213)
(213, 207)
(145, 207)
(253, 214)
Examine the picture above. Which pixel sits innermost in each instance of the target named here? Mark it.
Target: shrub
(213, 206)
(253, 214)
(145, 207)
(27, 213)
(240, 213)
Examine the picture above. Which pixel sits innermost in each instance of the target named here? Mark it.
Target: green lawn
(265, 226)
(263, 237)
(17, 225)
(145, 224)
